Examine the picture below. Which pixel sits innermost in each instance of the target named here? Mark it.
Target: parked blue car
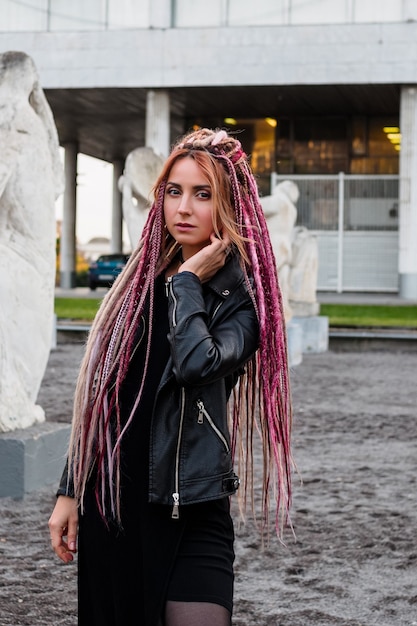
(104, 271)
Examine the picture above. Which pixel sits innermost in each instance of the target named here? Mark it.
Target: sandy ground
(355, 515)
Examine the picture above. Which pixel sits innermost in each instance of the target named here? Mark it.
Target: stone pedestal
(32, 457)
(315, 333)
(304, 309)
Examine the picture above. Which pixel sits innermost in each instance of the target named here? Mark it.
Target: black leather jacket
(213, 332)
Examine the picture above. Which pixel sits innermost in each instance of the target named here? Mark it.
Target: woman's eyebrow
(174, 184)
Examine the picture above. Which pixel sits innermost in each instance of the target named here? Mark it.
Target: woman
(190, 336)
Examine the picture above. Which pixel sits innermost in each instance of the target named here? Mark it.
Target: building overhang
(109, 123)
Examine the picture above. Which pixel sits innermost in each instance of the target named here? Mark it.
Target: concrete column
(407, 262)
(157, 127)
(116, 244)
(68, 244)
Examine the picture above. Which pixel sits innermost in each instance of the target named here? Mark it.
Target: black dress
(125, 575)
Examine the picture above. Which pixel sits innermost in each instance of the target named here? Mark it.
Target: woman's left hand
(207, 261)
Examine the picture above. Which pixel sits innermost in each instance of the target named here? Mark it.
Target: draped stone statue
(31, 179)
(303, 275)
(295, 251)
(142, 168)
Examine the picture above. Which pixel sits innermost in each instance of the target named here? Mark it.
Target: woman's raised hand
(207, 261)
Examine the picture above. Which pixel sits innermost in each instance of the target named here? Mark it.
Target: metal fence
(355, 219)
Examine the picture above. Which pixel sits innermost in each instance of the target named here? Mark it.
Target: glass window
(359, 136)
(28, 16)
(78, 15)
(199, 13)
(128, 14)
(318, 11)
(320, 146)
(325, 145)
(388, 11)
(284, 163)
(273, 12)
(261, 12)
(257, 137)
(331, 145)
(384, 137)
(260, 146)
(382, 148)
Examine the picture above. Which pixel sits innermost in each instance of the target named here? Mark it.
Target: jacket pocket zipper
(202, 412)
(176, 494)
(170, 290)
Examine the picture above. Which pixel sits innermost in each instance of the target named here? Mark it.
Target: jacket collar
(225, 281)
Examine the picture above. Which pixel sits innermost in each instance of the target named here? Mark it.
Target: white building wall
(115, 14)
(267, 55)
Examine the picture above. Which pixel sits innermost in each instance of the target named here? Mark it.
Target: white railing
(355, 219)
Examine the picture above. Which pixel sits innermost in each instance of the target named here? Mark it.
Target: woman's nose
(184, 205)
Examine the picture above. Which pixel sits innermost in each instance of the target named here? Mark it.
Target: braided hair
(261, 401)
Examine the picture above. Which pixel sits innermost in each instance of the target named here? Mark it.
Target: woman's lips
(182, 227)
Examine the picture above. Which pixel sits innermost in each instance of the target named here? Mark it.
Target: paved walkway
(324, 297)
(354, 513)
(327, 297)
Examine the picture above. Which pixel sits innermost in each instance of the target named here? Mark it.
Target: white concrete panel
(345, 53)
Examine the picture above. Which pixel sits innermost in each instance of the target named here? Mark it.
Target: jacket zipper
(176, 494)
(169, 290)
(202, 412)
(216, 309)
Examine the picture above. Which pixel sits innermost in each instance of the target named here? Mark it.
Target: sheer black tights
(195, 614)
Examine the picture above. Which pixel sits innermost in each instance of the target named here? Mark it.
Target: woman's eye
(205, 195)
(172, 192)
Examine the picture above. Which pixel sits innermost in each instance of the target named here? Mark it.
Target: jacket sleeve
(208, 346)
(66, 487)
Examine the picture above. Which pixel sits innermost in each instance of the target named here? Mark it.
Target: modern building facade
(324, 92)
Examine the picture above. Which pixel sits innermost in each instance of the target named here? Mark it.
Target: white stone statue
(31, 179)
(295, 250)
(303, 275)
(142, 168)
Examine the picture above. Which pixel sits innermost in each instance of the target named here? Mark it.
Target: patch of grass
(80, 309)
(370, 315)
(84, 309)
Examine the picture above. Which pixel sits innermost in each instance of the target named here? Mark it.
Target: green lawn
(370, 315)
(84, 309)
(80, 309)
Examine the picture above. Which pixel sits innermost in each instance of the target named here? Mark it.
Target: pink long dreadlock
(262, 399)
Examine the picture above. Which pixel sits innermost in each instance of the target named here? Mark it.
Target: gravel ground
(354, 562)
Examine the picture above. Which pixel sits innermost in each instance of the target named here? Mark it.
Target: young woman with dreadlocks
(186, 359)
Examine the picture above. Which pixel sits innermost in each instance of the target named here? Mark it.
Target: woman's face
(188, 206)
